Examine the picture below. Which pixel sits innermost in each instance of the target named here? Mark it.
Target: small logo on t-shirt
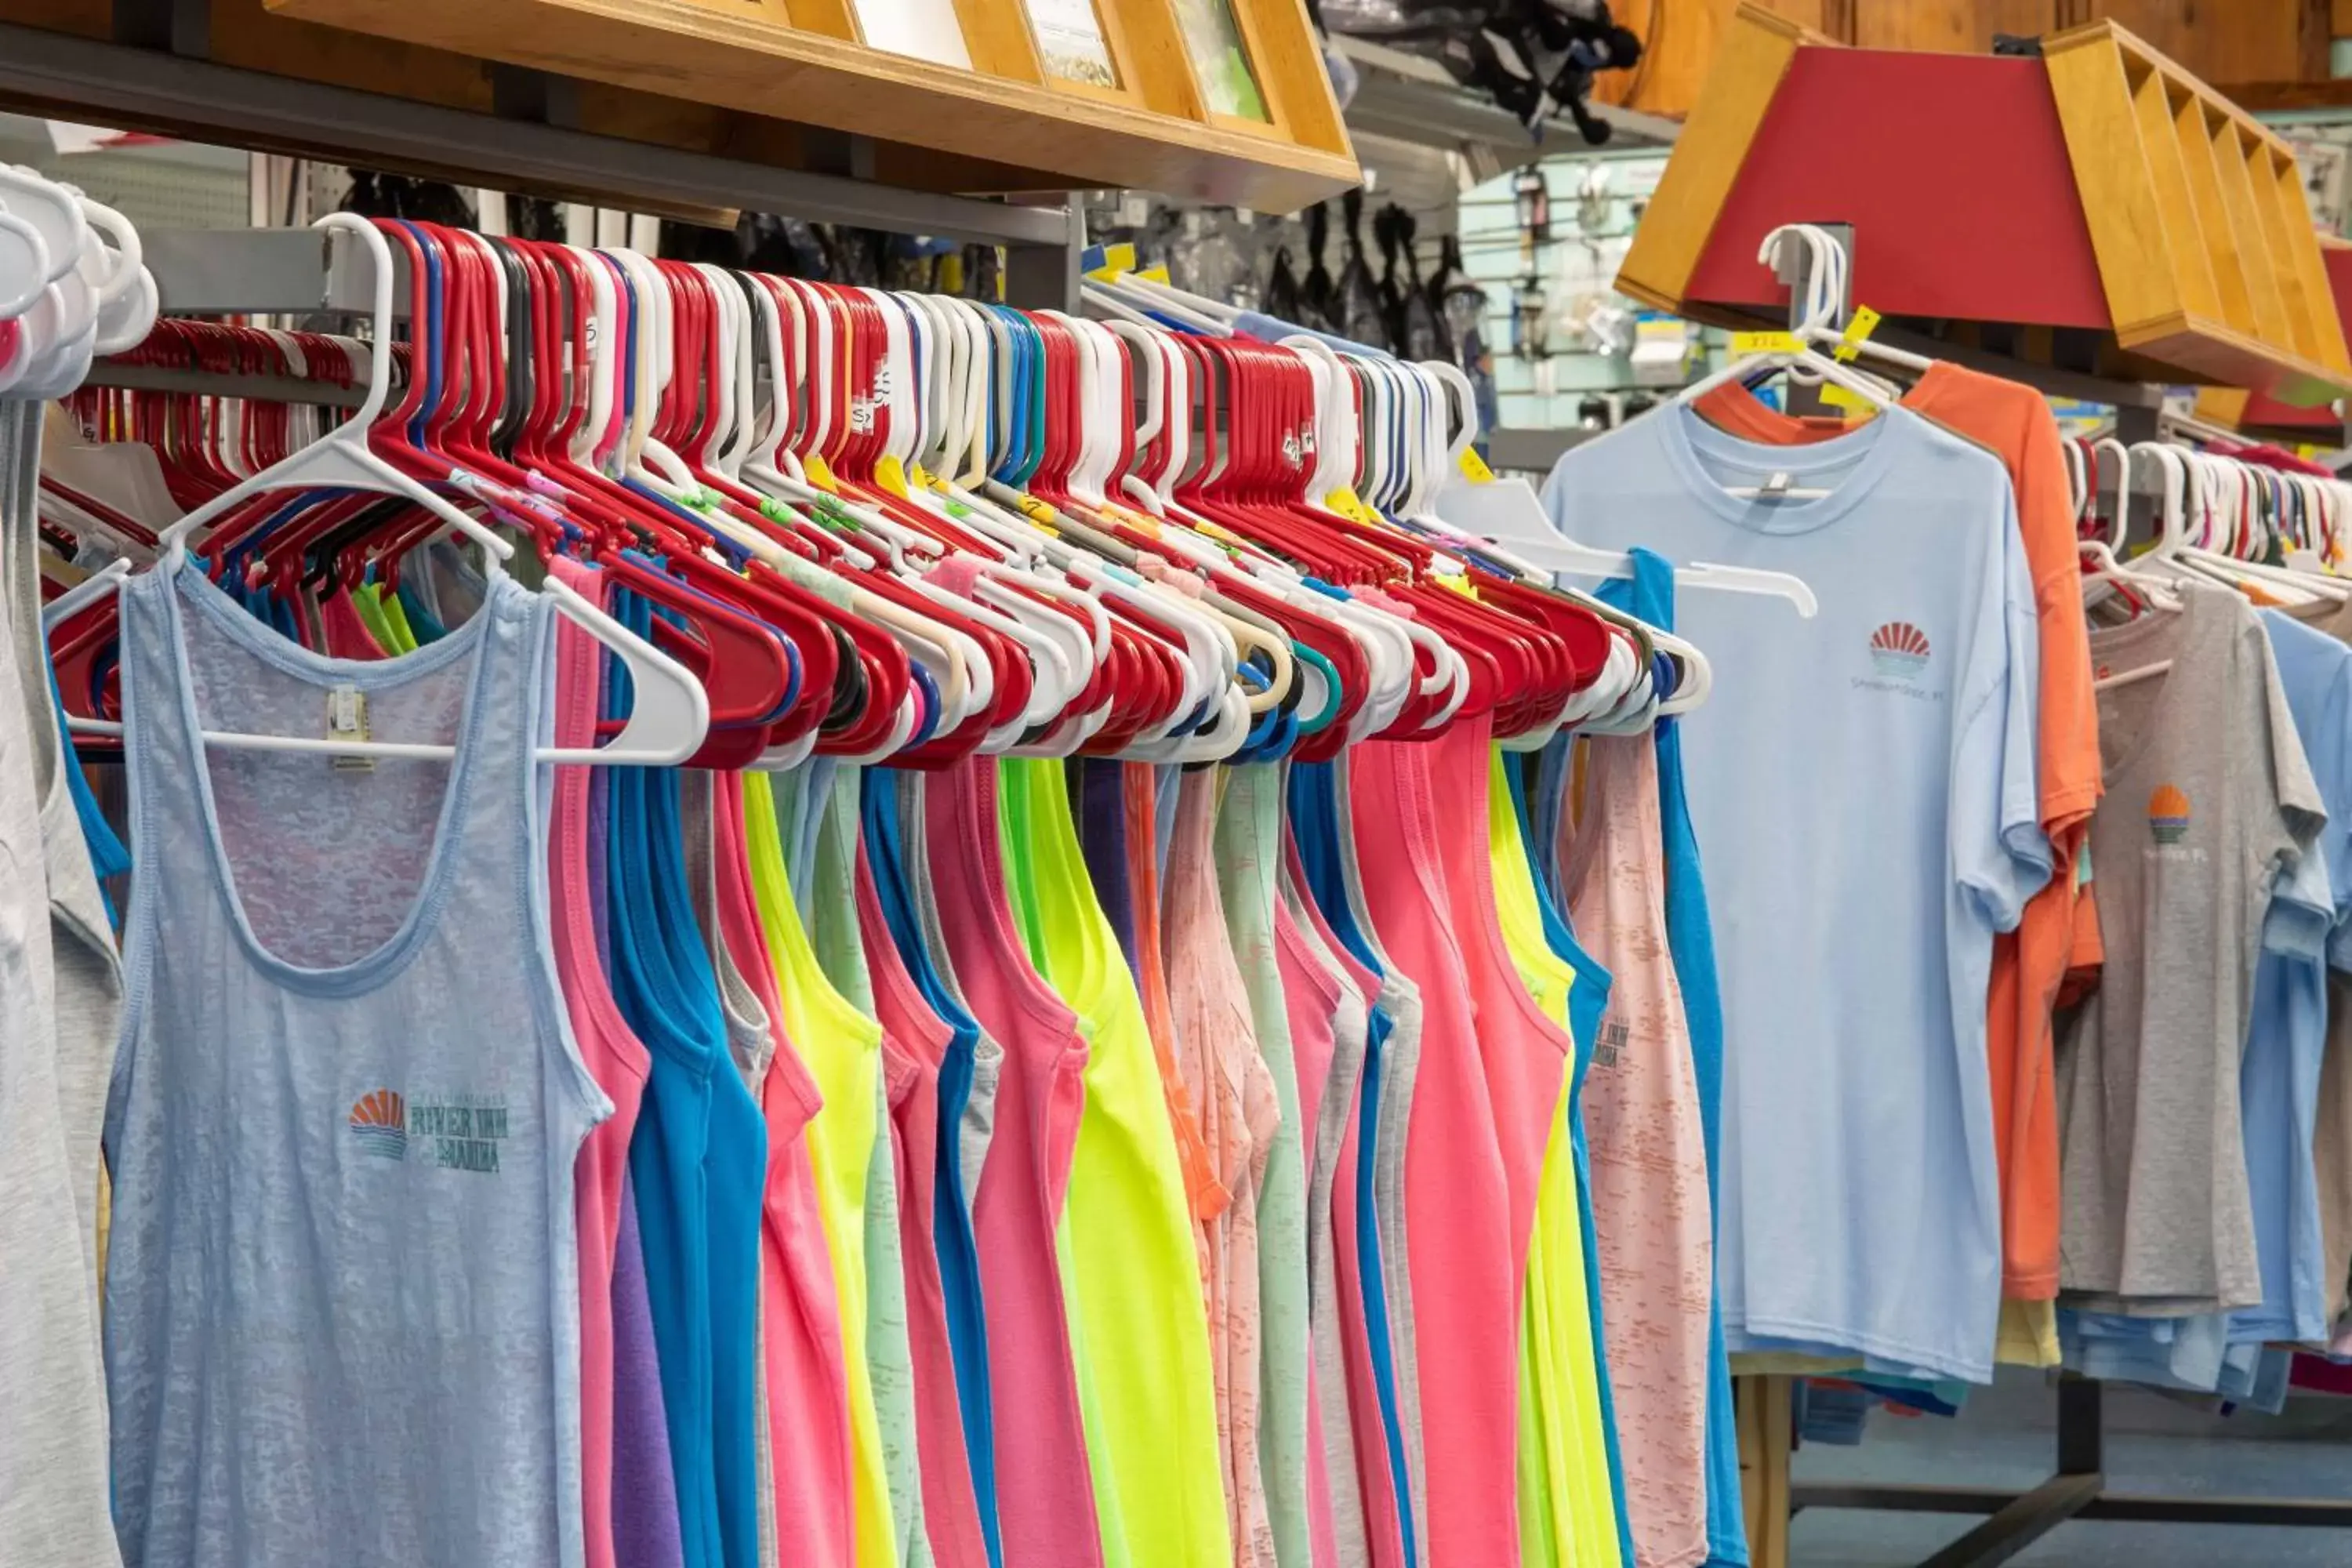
(1899, 648)
(380, 1125)
(2167, 815)
(450, 1133)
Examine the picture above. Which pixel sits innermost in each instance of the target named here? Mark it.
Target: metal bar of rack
(2077, 1488)
(160, 83)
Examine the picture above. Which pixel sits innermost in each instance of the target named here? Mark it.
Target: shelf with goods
(694, 110)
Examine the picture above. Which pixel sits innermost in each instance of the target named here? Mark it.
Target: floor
(2004, 1439)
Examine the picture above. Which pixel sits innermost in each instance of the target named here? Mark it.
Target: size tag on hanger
(1474, 468)
(1348, 504)
(819, 472)
(347, 720)
(1837, 396)
(1857, 332)
(1747, 344)
(890, 474)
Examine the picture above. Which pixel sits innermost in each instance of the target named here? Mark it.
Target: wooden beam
(2259, 97)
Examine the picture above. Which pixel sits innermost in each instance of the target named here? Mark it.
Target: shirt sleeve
(1999, 854)
(2303, 902)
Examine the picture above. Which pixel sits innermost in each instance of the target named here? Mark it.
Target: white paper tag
(347, 719)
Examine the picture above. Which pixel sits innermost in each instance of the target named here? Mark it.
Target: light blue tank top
(342, 1319)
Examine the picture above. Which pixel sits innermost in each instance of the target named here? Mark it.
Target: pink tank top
(1525, 1053)
(950, 1508)
(1046, 1508)
(800, 1315)
(1374, 1479)
(1466, 1294)
(616, 1058)
(1650, 1210)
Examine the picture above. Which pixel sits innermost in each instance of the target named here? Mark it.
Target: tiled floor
(2004, 1439)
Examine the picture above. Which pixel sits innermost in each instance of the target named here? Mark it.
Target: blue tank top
(699, 1163)
(341, 1318)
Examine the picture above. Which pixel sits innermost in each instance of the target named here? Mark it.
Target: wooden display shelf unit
(1150, 128)
(2099, 194)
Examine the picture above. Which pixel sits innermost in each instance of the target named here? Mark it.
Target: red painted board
(1952, 170)
(2266, 413)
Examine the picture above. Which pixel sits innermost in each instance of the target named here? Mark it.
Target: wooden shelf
(2101, 198)
(803, 61)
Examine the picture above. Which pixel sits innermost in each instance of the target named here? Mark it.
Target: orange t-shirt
(2029, 964)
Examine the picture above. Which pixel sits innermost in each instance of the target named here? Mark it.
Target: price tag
(1857, 332)
(1837, 396)
(1474, 468)
(1744, 344)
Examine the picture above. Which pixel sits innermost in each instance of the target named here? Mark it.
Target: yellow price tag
(1837, 396)
(819, 473)
(1348, 504)
(891, 475)
(1744, 344)
(1857, 332)
(1474, 468)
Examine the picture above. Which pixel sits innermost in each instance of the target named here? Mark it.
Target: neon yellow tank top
(1566, 1511)
(842, 1048)
(1129, 1266)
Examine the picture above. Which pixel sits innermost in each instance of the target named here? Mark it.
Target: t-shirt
(2014, 423)
(2278, 1084)
(1864, 784)
(2209, 805)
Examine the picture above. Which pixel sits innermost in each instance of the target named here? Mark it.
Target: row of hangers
(901, 526)
(71, 284)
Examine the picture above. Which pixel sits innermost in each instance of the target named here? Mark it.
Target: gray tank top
(342, 1307)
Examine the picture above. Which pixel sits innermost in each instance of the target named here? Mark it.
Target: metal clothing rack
(2078, 1489)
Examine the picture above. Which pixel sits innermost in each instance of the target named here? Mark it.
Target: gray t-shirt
(2210, 811)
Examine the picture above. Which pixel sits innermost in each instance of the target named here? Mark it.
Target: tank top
(1142, 1336)
(1233, 1096)
(739, 1403)
(1586, 1005)
(1327, 1032)
(1367, 1204)
(843, 1050)
(615, 1056)
(1248, 853)
(1527, 1059)
(830, 903)
(883, 886)
(662, 979)
(1567, 1504)
(1466, 1296)
(1649, 1157)
(1049, 1515)
(1690, 935)
(335, 1161)
(645, 1533)
(59, 992)
(802, 1374)
(950, 1508)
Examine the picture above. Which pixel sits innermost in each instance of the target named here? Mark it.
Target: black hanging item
(1422, 333)
(1359, 303)
(1319, 296)
(1390, 291)
(1282, 297)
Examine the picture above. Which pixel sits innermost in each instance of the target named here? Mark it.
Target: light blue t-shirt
(1865, 784)
(2279, 1078)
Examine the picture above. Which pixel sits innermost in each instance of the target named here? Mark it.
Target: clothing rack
(2078, 1489)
